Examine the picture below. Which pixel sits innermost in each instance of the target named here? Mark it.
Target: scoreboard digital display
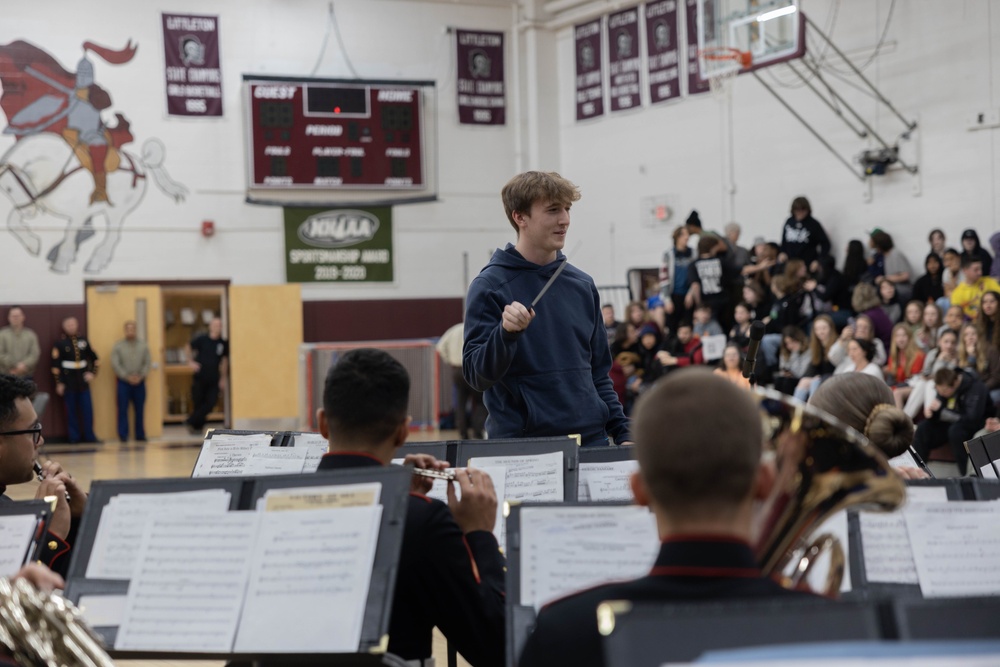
(334, 135)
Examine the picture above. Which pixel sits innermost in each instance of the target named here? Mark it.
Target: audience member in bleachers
(861, 328)
(830, 294)
(980, 359)
(649, 346)
(930, 286)
(698, 442)
(905, 358)
(626, 339)
(890, 265)
(913, 315)
(865, 404)
(610, 323)
(972, 288)
(793, 359)
(995, 246)
(682, 349)
(988, 318)
(959, 409)
(937, 242)
(731, 366)
(921, 389)
(635, 314)
(951, 275)
(855, 265)
(740, 331)
(930, 324)
(656, 312)
(860, 359)
(693, 224)
(451, 569)
(704, 322)
(821, 340)
(739, 256)
(674, 283)
(708, 280)
(972, 249)
(954, 318)
(866, 301)
(757, 299)
(768, 256)
(762, 258)
(803, 237)
(890, 302)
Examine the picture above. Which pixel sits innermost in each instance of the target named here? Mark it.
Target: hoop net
(721, 64)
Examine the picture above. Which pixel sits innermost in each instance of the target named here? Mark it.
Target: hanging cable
(878, 46)
(331, 22)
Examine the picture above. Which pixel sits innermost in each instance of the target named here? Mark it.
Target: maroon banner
(662, 51)
(695, 83)
(191, 50)
(624, 61)
(589, 85)
(481, 99)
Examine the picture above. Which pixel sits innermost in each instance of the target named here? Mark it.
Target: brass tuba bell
(821, 467)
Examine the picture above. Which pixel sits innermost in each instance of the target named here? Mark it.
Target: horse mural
(66, 162)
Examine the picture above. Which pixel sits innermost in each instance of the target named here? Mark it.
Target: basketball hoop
(721, 64)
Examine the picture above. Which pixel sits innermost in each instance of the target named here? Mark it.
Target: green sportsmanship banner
(350, 245)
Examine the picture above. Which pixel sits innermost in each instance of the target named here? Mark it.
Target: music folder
(22, 528)
(377, 493)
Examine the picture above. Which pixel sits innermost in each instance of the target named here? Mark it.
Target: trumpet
(822, 466)
(44, 629)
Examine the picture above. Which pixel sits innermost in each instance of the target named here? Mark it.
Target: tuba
(821, 466)
(44, 629)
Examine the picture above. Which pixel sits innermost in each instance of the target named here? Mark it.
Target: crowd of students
(874, 315)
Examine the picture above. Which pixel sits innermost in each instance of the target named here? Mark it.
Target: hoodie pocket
(561, 403)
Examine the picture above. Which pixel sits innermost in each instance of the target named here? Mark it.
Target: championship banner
(695, 83)
(624, 61)
(662, 51)
(589, 86)
(351, 245)
(194, 77)
(481, 97)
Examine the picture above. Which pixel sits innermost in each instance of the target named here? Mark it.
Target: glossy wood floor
(173, 455)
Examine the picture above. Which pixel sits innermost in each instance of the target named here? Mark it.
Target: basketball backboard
(747, 34)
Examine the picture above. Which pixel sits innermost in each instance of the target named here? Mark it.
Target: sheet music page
(885, 543)
(530, 477)
(316, 446)
(102, 610)
(188, 587)
(609, 480)
(836, 525)
(567, 549)
(988, 472)
(15, 533)
(124, 519)
(276, 461)
(309, 581)
(956, 547)
(322, 497)
(904, 460)
(225, 455)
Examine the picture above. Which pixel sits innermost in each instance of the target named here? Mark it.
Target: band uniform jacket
(445, 579)
(54, 551)
(72, 356)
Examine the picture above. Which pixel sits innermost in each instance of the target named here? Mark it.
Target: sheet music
(276, 461)
(530, 477)
(309, 581)
(886, 544)
(836, 525)
(956, 547)
(316, 446)
(904, 460)
(187, 592)
(322, 497)
(124, 518)
(606, 481)
(102, 610)
(16, 532)
(988, 472)
(567, 549)
(226, 455)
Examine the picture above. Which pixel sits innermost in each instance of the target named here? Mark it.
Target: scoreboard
(334, 134)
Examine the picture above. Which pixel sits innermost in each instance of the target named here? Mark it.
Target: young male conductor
(543, 370)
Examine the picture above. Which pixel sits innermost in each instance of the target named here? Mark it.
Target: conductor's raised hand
(477, 509)
(516, 317)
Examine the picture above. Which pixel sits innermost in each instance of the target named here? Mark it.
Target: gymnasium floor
(173, 455)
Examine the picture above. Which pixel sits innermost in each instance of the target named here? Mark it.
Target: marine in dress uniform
(74, 364)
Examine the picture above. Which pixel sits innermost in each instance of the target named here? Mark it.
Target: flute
(41, 478)
(448, 475)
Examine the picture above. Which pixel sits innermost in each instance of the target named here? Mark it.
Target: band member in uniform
(20, 440)
(209, 357)
(74, 365)
(451, 571)
(698, 441)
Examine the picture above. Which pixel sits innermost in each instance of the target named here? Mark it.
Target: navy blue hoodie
(552, 378)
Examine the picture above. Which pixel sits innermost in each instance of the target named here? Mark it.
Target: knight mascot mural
(66, 161)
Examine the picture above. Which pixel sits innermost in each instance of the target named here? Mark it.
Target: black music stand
(470, 449)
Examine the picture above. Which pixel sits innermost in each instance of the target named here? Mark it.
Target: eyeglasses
(35, 431)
